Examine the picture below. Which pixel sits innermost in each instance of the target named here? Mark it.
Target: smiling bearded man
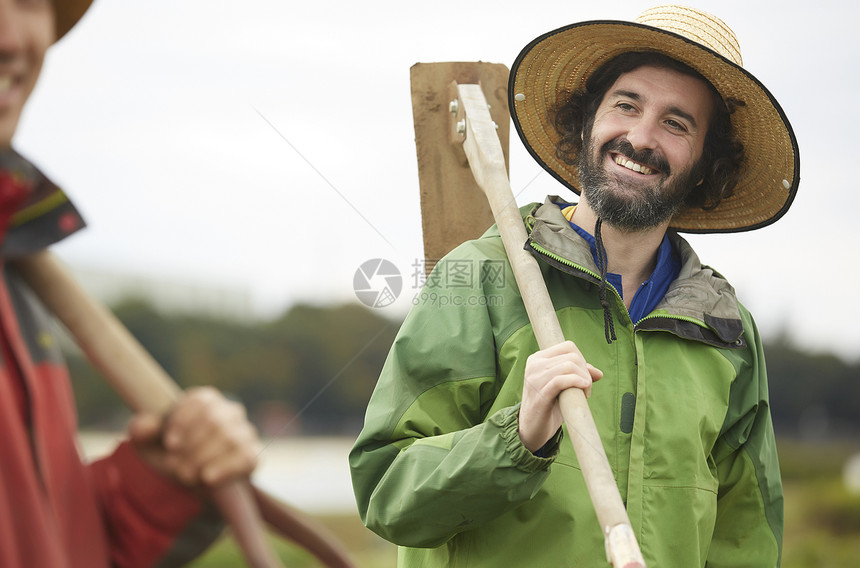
(652, 205)
(460, 459)
(661, 194)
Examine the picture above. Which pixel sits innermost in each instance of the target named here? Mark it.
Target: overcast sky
(268, 145)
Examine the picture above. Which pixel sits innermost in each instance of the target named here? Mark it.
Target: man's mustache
(645, 157)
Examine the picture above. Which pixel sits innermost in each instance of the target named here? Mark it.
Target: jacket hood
(699, 293)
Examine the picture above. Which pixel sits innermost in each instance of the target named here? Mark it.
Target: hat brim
(559, 63)
(67, 14)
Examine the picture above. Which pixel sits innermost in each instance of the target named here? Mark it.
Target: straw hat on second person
(68, 12)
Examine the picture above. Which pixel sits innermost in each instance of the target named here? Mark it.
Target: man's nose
(643, 134)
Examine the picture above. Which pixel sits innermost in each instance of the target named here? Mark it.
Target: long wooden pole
(483, 150)
(145, 386)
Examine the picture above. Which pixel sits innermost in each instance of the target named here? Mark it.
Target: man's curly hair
(722, 157)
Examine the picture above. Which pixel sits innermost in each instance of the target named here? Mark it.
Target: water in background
(311, 474)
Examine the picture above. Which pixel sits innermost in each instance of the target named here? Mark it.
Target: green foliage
(812, 461)
(822, 518)
(822, 525)
(364, 548)
(812, 395)
(822, 529)
(836, 510)
(98, 405)
(310, 371)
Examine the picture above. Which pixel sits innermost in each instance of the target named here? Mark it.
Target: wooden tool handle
(299, 528)
(138, 379)
(486, 160)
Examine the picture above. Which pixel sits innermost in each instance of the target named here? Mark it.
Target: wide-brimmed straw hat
(561, 61)
(68, 12)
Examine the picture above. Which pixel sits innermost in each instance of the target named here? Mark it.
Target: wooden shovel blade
(453, 207)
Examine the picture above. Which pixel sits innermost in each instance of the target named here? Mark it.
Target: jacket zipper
(566, 263)
(671, 316)
(563, 261)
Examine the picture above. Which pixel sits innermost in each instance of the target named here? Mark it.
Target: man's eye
(625, 106)
(675, 125)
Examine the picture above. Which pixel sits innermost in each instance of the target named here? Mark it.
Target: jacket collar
(700, 294)
(47, 215)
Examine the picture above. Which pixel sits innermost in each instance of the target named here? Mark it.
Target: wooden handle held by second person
(145, 386)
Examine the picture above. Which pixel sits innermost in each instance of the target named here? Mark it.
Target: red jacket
(55, 511)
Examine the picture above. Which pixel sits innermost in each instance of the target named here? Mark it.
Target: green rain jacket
(682, 411)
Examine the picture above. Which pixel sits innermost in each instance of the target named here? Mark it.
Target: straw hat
(562, 60)
(68, 12)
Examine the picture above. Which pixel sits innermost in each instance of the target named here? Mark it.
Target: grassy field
(367, 550)
(822, 519)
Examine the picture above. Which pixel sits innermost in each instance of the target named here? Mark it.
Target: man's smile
(626, 162)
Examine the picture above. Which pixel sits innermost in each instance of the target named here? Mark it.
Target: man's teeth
(631, 165)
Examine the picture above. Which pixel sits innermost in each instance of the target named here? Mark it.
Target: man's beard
(631, 211)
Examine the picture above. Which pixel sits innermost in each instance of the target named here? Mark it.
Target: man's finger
(596, 374)
(145, 427)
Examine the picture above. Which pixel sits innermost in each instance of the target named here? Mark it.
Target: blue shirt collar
(650, 292)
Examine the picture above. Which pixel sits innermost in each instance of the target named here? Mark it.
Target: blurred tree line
(311, 371)
(812, 395)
